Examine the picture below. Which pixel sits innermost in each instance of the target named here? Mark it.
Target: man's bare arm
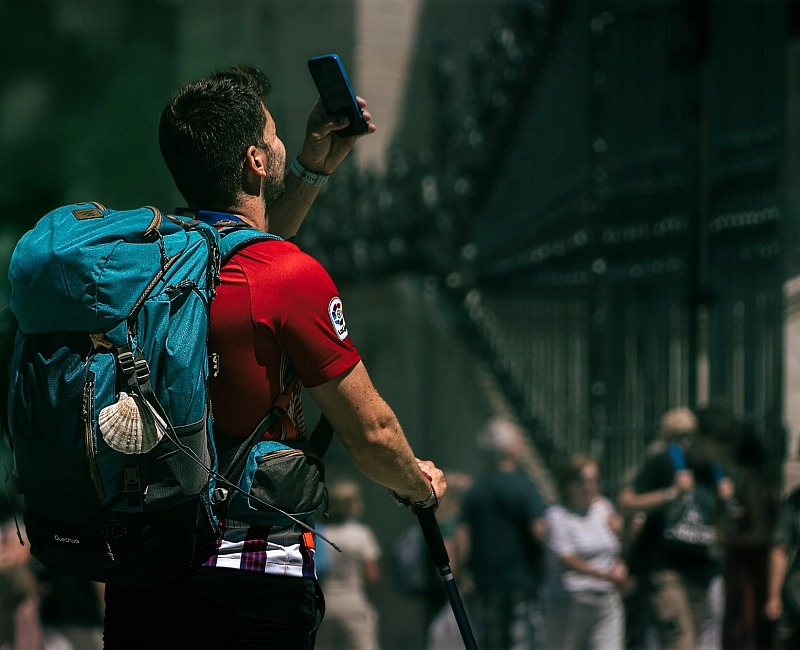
(322, 152)
(778, 564)
(539, 529)
(372, 436)
(629, 502)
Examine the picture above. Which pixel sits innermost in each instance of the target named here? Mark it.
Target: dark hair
(716, 422)
(206, 129)
(751, 449)
(570, 471)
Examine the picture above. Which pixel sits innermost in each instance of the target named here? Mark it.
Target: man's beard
(273, 184)
(273, 187)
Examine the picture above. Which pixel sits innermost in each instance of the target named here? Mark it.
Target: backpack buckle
(220, 495)
(132, 485)
(126, 362)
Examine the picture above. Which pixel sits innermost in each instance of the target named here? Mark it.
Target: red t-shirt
(275, 304)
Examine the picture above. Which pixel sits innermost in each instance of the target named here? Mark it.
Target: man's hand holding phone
(338, 118)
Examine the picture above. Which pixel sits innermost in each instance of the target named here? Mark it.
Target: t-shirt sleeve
(307, 316)
(606, 507)
(370, 549)
(558, 538)
(783, 533)
(658, 473)
(465, 514)
(536, 506)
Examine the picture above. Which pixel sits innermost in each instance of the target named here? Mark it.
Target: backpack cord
(278, 409)
(145, 391)
(190, 452)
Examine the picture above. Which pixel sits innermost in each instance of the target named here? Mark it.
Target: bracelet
(416, 505)
(312, 178)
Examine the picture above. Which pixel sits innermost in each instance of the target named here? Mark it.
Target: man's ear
(255, 161)
(254, 170)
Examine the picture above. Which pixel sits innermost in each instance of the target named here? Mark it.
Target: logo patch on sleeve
(337, 318)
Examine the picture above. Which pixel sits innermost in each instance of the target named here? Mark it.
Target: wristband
(416, 505)
(432, 499)
(670, 494)
(312, 178)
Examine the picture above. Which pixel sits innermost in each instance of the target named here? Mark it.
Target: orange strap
(282, 402)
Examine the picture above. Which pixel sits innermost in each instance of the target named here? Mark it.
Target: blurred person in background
(783, 586)
(502, 532)
(70, 609)
(20, 624)
(674, 558)
(674, 424)
(351, 621)
(746, 536)
(586, 573)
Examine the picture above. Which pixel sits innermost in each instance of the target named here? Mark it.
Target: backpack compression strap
(679, 461)
(277, 411)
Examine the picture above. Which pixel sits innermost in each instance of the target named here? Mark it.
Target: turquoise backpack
(108, 410)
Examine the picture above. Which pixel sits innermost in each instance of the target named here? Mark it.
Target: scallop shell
(128, 426)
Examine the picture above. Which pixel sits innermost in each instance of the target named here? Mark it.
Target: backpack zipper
(291, 451)
(279, 453)
(89, 442)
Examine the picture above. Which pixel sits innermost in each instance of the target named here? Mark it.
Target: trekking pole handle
(433, 536)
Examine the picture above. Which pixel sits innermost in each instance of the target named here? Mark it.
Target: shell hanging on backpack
(128, 426)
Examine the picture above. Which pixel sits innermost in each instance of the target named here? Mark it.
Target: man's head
(501, 441)
(578, 477)
(346, 501)
(717, 432)
(677, 424)
(220, 143)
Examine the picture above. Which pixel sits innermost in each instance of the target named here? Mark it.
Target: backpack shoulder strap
(679, 461)
(678, 458)
(234, 238)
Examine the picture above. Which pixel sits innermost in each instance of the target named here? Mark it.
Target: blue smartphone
(336, 92)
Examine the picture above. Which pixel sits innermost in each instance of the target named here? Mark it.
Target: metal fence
(630, 258)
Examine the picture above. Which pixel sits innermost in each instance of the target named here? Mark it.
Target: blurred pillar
(600, 397)
(790, 238)
(698, 380)
(385, 33)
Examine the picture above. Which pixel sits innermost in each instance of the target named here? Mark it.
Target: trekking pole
(438, 551)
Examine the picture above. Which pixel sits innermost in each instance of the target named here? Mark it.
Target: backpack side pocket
(278, 479)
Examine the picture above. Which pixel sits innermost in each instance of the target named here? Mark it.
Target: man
(680, 492)
(503, 531)
(675, 424)
(783, 595)
(276, 306)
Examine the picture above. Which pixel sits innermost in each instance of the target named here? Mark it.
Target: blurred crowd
(695, 552)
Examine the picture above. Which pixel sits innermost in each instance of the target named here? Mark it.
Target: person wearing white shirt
(585, 569)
